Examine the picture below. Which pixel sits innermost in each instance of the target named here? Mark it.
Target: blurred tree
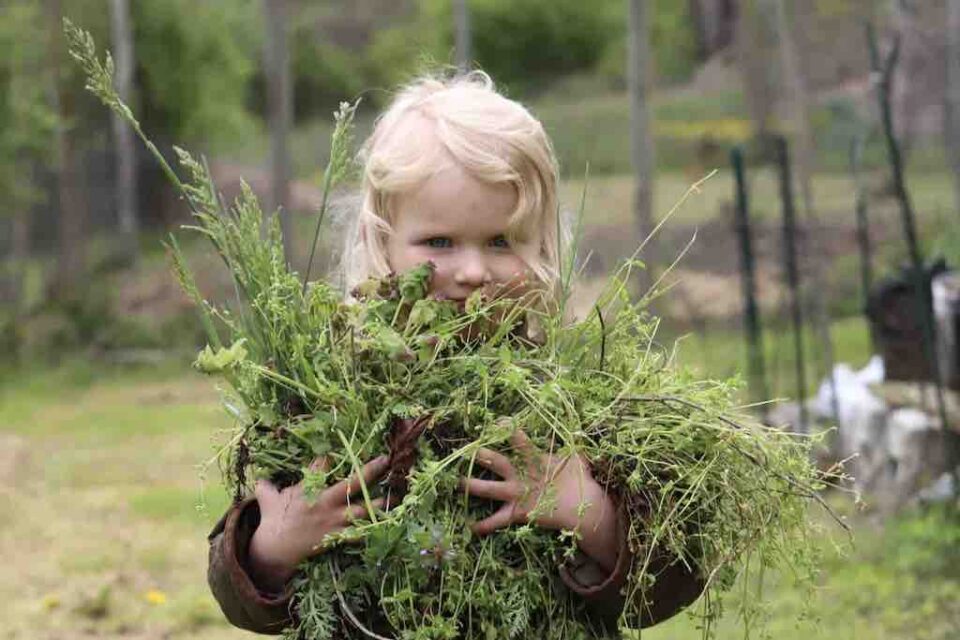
(26, 127)
(123, 136)
(463, 34)
(673, 40)
(952, 107)
(342, 47)
(713, 23)
(756, 46)
(642, 158)
(324, 73)
(72, 206)
(790, 34)
(398, 52)
(276, 58)
(521, 44)
(790, 22)
(524, 43)
(793, 84)
(333, 46)
(195, 63)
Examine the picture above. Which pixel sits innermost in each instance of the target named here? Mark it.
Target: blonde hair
(491, 137)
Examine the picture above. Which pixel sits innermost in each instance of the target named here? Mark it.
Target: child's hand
(293, 528)
(574, 500)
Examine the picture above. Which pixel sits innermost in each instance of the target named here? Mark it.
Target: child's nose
(472, 269)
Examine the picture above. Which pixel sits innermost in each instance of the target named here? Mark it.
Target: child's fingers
(496, 462)
(492, 489)
(322, 463)
(359, 511)
(522, 443)
(339, 492)
(499, 520)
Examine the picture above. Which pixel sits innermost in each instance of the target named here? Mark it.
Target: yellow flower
(155, 597)
(50, 601)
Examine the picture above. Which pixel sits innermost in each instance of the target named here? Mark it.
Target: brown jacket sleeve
(675, 588)
(243, 604)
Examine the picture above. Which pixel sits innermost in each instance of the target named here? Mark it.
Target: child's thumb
(265, 491)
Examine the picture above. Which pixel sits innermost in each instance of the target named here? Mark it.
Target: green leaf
(222, 359)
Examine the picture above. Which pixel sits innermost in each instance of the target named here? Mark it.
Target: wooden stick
(752, 323)
(792, 272)
(863, 221)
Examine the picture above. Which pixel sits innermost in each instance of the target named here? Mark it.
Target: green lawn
(103, 534)
(101, 525)
(722, 353)
(609, 197)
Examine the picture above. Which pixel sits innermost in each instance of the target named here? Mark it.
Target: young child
(461, 176)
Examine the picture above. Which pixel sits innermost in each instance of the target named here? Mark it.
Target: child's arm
(243, 604)
(257, 546)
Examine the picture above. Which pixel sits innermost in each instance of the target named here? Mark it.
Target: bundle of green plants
(394, 371)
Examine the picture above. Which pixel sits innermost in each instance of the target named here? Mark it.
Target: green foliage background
(551, 37)
(26, 121)
(195, 62)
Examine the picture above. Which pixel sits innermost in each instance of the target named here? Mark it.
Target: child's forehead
(453, 189)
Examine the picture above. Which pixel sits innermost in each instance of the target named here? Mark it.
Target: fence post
(752, 326)
(863, 222)
(782, 159)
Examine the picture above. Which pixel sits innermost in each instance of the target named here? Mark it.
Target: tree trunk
(804, 146)
(754, 51)
(798, 99)
(910, 89)
(276, 60)
(462, 29)
(698, 19)
(125, 152)
(19, 252)
(952, 110)
(72, 213)
(714, 23)
(642, 156)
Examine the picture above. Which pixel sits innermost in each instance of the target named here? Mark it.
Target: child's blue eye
(438, 243)
(500, 242)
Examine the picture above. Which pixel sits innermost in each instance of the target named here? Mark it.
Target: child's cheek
(442, 273)
(509, 268)
(409, 257)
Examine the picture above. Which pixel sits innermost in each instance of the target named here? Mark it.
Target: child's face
(460, 224)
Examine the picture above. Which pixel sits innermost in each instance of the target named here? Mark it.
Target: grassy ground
(609, 197)
(721, 353)
(99, 486)
(898, 582)
(688, 128)
(102, 536)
